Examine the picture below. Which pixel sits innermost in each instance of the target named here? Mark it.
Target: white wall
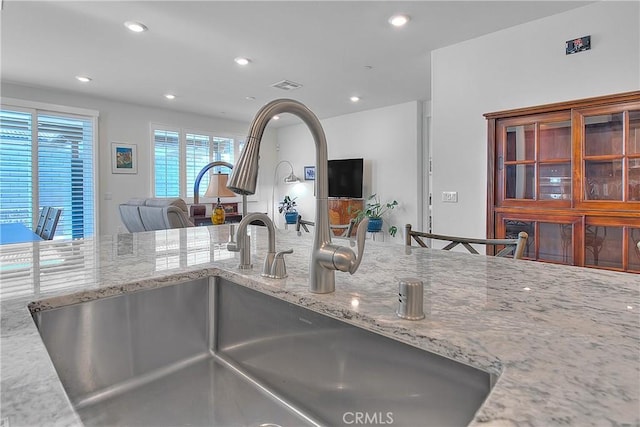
(129, 123)
(518, 67)
(390, 141)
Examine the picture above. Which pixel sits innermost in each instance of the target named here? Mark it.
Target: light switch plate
(450, 196)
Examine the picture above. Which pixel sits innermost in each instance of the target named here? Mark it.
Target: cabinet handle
(500, 163)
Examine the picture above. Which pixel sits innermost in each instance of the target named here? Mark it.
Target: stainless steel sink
(210, 352)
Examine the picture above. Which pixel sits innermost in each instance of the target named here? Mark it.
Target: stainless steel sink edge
(58, 301)
(492, 366)
(449, 350)
(443, 348)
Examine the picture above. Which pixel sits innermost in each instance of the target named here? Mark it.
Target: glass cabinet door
(554, 161)
(612, 246)
(535, 157)
(611, 155)
(550, 241)
(603, 156)
(603, 246)
(520, 162)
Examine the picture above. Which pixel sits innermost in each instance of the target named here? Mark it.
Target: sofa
(154, 214)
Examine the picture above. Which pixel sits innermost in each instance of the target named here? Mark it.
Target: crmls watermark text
(370, 418)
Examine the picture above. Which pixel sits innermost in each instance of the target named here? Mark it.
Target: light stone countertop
(564, 342)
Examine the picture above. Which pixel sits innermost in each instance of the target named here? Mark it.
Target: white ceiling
(327, 46)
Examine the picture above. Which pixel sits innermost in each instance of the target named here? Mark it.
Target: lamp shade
(291, 178)
(218, 186)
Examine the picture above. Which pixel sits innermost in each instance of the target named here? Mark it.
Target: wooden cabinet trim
(567, 105)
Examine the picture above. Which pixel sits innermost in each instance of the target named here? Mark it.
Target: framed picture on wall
(124, 158)
(309, 173)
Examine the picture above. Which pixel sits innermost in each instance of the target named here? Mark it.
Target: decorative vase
(291, 217)
(375, 225)
(217, 215)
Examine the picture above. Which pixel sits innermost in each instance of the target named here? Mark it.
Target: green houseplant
(288, 207)
(375, 210)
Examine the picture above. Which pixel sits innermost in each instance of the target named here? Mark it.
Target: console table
(231, 214)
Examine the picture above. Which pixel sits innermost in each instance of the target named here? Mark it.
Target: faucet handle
(278, 268)
(361, 233)
(341, 258)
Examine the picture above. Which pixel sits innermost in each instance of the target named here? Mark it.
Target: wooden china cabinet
(569, 175)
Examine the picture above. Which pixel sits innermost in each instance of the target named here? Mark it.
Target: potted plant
(374, 210)
(288, 207)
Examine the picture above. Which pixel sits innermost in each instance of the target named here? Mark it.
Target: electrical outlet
(450, 196)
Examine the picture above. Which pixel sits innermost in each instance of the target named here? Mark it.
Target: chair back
(41, 220)
(50, 223)
(343, 230)
(338, 230)
(511, 246)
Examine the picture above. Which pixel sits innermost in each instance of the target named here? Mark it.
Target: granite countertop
(563, 342)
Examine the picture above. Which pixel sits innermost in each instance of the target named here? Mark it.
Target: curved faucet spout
(242, 244)
(245, 175)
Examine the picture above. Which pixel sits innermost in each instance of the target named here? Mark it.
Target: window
(167, 163)
(47, 159)
(180, 155)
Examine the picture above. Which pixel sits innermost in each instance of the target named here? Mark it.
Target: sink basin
(211, 352)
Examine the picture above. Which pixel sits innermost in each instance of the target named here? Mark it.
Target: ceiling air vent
(287, 85)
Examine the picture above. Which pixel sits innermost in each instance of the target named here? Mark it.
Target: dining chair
(338, 230)
(50, 224)
(41, 220)
(511, 246)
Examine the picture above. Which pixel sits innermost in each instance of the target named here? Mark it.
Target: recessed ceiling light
(399, 20)
(83, 79)
(355, 98)
(170, 96)
(276, 117)
(242, 61)
(136, 27)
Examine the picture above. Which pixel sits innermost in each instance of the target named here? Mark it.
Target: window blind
(65, 172)
(167, 163)
(16, 188)
(198, 155)
(223, 149)
(175, 176)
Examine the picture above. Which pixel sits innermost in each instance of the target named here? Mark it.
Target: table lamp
(218, 188)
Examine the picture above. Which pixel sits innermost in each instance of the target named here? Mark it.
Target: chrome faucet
(273, 265)
(325, 257)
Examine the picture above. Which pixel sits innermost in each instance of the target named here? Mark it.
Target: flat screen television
(345, 178)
